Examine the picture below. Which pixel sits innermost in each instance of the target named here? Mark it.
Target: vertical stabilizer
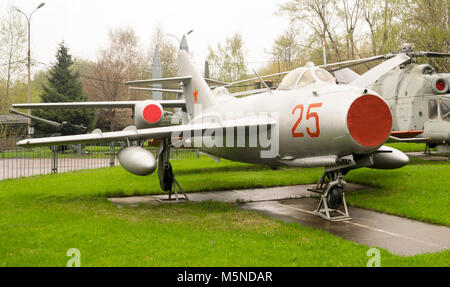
(196, 90)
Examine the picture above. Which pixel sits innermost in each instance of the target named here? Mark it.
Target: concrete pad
(396, 234)
(241, 195)
(245, 195)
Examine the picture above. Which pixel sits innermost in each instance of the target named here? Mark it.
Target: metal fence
(21, 162)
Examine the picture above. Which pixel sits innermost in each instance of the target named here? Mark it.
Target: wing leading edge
(75, 105)
(133, 134)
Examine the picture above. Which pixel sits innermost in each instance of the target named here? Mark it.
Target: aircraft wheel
(335, 197)
(166, 180)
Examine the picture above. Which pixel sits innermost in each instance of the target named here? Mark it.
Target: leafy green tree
(227, 62)
(63, 86)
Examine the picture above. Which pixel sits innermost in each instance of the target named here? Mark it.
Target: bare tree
(318, 16)
(12, 49)
(121, 62)
(285, 48)
(227, 61)
(384, 21)
(167, 52)
(351, 12)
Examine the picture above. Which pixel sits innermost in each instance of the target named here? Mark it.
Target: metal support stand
(112, 155)
(323, 210)
(175, 185)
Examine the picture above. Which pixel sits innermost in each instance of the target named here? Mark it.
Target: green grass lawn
(42, 217)
(421, 191)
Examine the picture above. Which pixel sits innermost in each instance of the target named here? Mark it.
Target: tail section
(196, 90)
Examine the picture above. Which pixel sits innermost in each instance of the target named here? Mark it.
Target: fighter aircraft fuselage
(313, 122)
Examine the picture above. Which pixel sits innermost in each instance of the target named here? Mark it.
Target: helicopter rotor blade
(49, 122)
(430, 54)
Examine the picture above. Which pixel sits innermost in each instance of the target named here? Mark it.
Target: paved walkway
(293, 203)
(433, 157)
(21, 167)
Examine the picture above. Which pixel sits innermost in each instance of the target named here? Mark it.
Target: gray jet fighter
(309, 121)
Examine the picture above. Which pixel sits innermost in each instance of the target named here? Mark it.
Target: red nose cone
(152, 114)
(369, 120)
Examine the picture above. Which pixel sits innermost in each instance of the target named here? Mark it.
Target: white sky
(84, 24)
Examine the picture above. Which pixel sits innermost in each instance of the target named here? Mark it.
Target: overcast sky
(84, 24)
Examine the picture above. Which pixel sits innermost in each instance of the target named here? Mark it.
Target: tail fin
(196, 90)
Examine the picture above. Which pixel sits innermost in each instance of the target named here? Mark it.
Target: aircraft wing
(374, 74)
(118, 104)
(406, 134)
(142, 134)
(409, 140)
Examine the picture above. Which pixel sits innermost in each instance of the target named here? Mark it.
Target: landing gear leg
(166, 177)
(332, 197)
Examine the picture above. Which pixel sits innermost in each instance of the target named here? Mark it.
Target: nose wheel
(332, 197)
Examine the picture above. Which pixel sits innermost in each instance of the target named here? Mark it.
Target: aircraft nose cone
(369, 120)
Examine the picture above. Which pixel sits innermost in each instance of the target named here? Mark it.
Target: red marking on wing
(152, 113)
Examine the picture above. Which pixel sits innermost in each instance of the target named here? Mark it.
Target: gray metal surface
(329, 102)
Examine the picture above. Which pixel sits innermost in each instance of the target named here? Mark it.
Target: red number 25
(309, 115)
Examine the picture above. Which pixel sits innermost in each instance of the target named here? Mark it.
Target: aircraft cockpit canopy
(443, 104)
(305, 76)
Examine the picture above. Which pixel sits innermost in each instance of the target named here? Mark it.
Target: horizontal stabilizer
(346, 76)
(174, 80)
(157, 90)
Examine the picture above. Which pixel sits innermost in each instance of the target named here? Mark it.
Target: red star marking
(195, 93)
